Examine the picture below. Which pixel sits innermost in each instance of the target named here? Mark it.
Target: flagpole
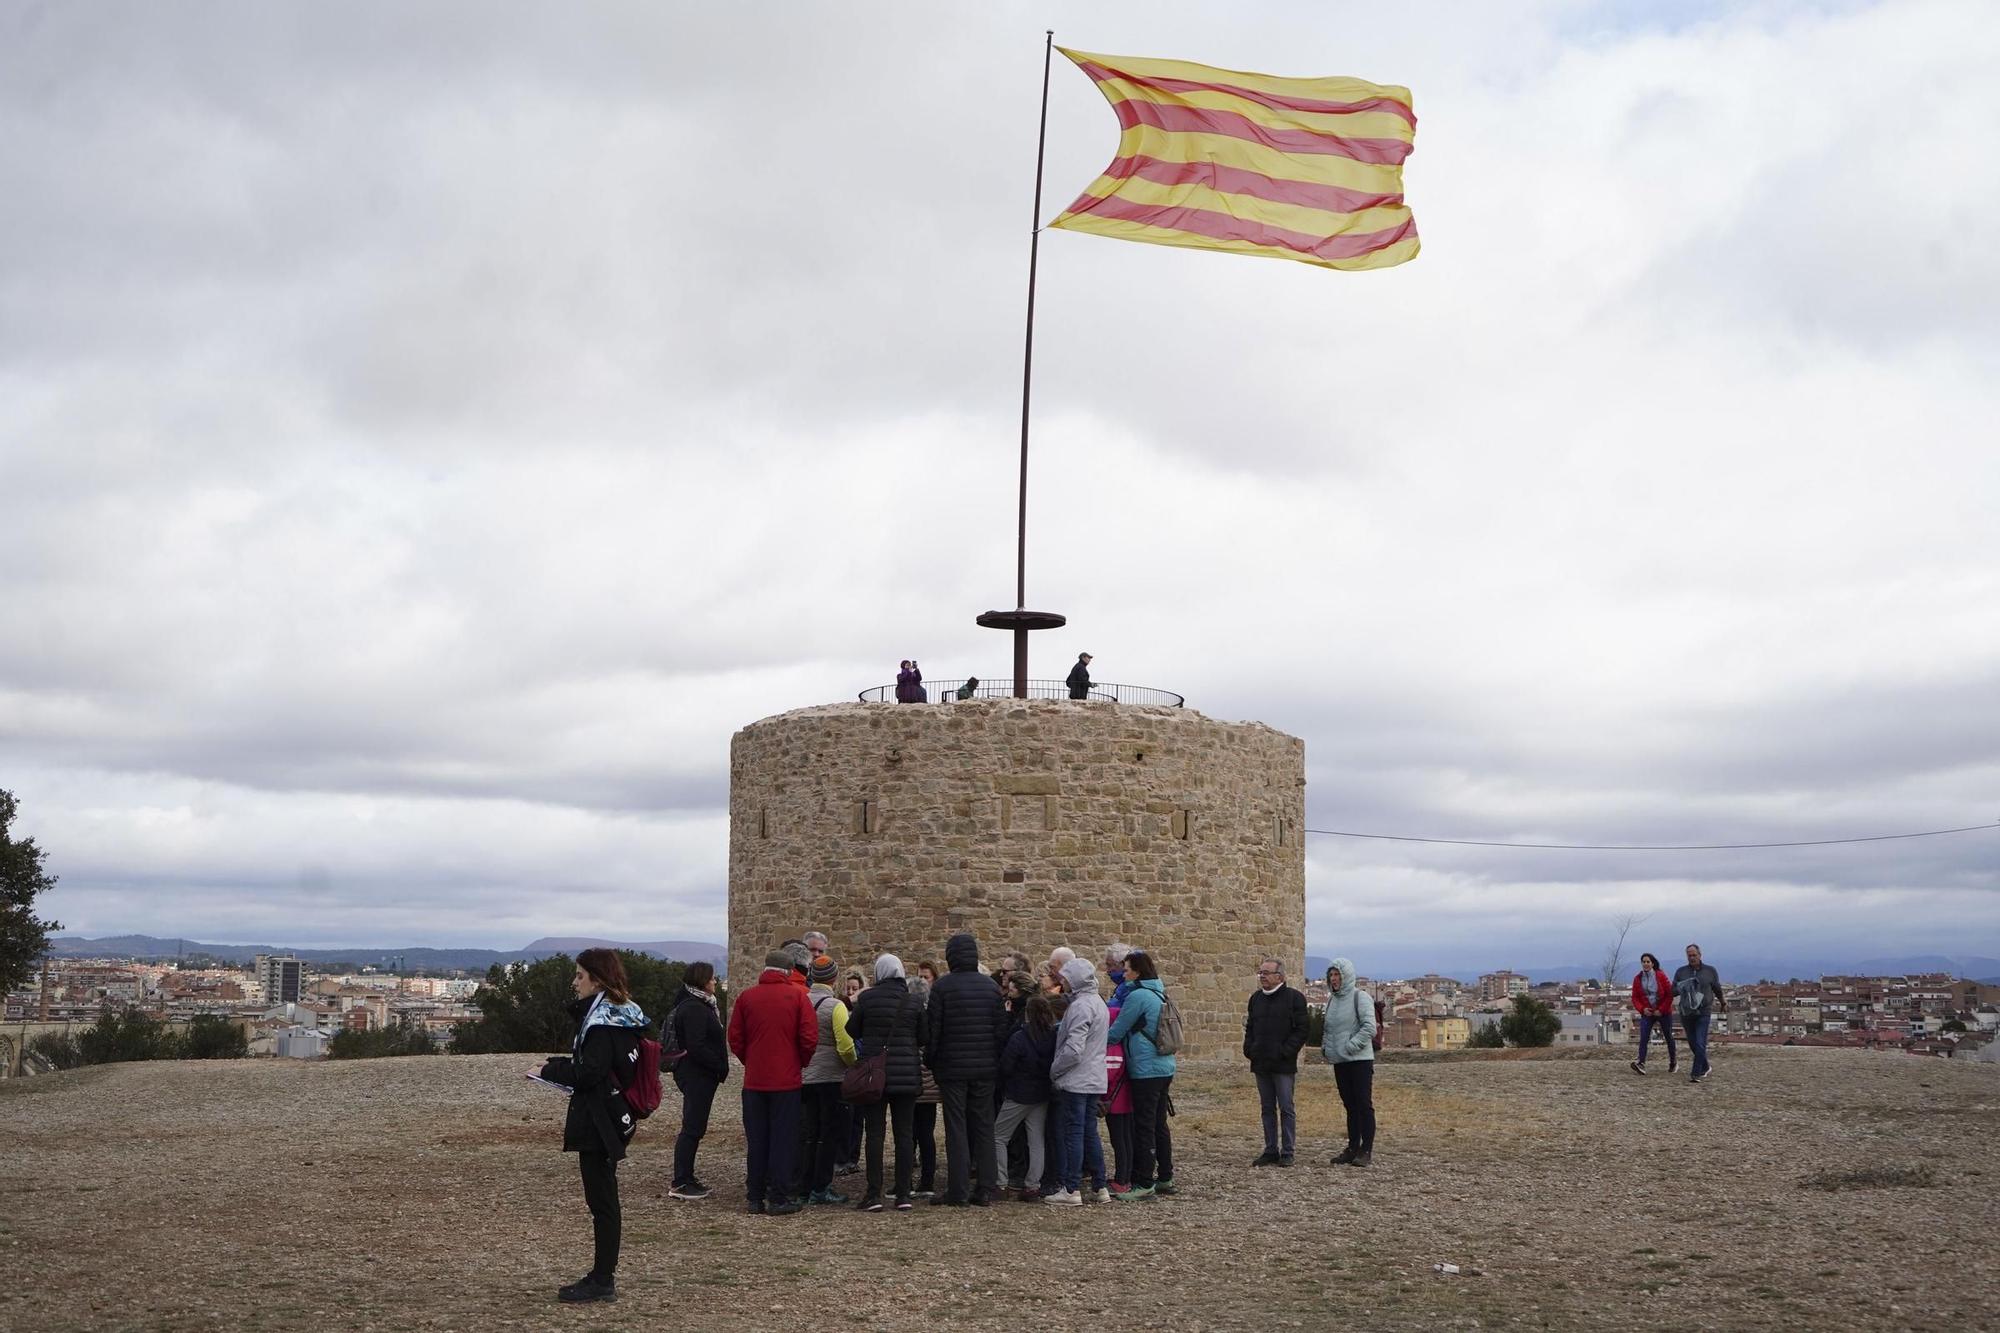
(1021, 620)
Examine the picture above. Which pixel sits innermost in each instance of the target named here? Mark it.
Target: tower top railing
(944, 690)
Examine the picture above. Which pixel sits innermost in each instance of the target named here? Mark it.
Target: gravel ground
(1796, 1188)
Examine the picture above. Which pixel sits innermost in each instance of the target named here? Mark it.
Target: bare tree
(1614, 957)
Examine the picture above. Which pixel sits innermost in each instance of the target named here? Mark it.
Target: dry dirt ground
(1796, 1189)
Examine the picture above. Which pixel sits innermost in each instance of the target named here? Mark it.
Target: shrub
(57, 1049)
(118, 1037)
(213, 1037)
(406, 1038)
(1485, 1036)
(1530, 1023)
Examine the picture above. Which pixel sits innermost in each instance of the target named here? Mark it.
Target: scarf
(703, 996)
(1649, 982)
(603, 1013)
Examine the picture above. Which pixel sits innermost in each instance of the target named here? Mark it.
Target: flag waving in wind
(1306, 169)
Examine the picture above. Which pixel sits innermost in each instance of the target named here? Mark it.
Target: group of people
(1035, 1066)
(1694, 995)
(910, 687)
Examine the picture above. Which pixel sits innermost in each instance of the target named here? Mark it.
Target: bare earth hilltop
(1798, 1188)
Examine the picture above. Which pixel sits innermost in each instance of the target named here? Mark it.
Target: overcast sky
(427, 432)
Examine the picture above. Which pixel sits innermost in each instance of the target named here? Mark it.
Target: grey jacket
(825, 1065)
(1350, 1020)
(1079, 1062)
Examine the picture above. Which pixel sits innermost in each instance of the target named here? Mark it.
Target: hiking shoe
(846, 1168)
(903, 1204)
(1028, 1195)
(689, 1191)
(1064, 1199)
(784, 1207)
(946, 1201)
(1639, 1067)
(826, 1196)
(1118, 1188)
(1346, 1155)
(755, 1206)
(586, 1289)
(1268, 1159)
(1285, 1160)
(1362, 1159)
(1137, 1194)
(1102, 1194)
(1167, 1186)
(979, 1199)
(873, 1204)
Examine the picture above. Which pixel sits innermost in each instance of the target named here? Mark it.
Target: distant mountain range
(413, 957)
(1971, 967)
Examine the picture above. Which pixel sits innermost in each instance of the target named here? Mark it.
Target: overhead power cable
(1652, 847)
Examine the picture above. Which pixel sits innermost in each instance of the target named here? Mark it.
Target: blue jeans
(1274, 1094)
(1082, 1150)
(1696, 1029)
(1665, 1023)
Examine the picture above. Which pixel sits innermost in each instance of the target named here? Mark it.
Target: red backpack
(642, 1094)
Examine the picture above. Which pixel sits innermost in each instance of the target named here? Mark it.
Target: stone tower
(1031, 823)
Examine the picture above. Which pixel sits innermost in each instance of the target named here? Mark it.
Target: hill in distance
(414, 957)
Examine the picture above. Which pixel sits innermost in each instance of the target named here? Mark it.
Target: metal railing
(944, 690)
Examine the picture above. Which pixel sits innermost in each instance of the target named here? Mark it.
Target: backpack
(1691, 995)
(672, 1053)
(642, 1094)
(1376, 1041)
(1167, 1026)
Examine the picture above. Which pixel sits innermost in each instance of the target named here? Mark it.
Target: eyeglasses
(1263, 972)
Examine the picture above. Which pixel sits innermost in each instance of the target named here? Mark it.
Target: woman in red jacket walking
(1653, 998)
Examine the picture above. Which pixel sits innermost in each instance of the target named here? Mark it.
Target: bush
(58, 1049)
(1485, 1036)
(406, 1038)
(1530, 1023)
(118, 1037)
(213, 1037)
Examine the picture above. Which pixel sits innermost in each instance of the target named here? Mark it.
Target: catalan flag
(1306, 169)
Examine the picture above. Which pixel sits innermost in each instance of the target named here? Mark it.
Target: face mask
(1117, 975)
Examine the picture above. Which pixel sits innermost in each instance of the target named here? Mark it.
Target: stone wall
(1031, 824)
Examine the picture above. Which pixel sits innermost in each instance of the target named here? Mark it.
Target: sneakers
(784, 1207)
(922, 1192)
(1028, 1195)
(1268, 1159)
(1137, 1194)
(691, 1191)
(1639, 1067)
(946, 1201)
(1285, 1160)
(755, 1206)
(1118, 1189)
(586, 1289)
(828, 1195)
(846, 1168)
(903, 1204)
(1102, 1194)
(1362, 1159)
(1167, 1186)
(1346, 1155)
(1064, 1199)
(873, 1204)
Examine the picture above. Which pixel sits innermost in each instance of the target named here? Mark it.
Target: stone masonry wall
(1031, 824)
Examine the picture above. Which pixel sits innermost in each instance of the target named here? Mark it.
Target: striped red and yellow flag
(1306, 169)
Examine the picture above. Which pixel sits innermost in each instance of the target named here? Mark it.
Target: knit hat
(825, 971)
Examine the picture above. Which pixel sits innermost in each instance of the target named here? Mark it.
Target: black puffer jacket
(968, 1019)
(880, 1018)
(1274, 1031)
(698, 1029)
(598, 1119)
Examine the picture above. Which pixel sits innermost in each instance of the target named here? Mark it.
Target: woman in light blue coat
(1150, 1074)
(1349, 1046)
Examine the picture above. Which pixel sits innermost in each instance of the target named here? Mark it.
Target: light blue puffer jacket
(1138, 1019)
(1350, 1020)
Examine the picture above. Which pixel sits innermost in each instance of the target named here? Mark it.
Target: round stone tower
(1030, 823)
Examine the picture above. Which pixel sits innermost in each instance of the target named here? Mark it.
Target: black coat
(698, 1030)
(1078, 681)
(598, 1119)
(1024, 1066)
(879, 1018)
(1275, 1031)
(968, 1018)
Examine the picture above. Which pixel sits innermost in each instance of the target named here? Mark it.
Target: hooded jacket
(968, 1020)
(1079, 1060)
(772, 1032)
(882, 1020)
(1138, 1020)
(1350, 1020)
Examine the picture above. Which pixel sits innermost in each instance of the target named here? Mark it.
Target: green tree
(58, 1049)
(24, 937)
(1951, 1025)
(1485, 1036)
(122, 1035)
(522, 1007)
(1530, 1023)
(406, 1038)
(213, 1037)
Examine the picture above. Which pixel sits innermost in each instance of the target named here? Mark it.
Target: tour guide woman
(599, 1125)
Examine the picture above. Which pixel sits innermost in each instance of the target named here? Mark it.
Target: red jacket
(772, 1032)
(1666, 988)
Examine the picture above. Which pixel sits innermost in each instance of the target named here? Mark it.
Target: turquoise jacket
(1138, 1019)
(1350, 1020)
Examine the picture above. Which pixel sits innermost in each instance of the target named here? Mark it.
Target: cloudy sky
(426, 433)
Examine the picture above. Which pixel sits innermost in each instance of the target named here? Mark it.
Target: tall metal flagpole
(1021, 620)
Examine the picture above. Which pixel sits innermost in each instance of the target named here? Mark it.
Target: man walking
(968, 1023)
(1698, 997)
(1079, 677)
(1273, 1035)
(773, 1034)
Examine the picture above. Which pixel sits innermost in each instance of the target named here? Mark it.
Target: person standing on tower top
(1079, 677)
